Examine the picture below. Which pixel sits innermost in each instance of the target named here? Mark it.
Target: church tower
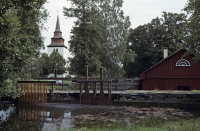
(57, 44)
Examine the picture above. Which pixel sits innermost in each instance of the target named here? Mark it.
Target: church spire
(57, 25)
(57, 40)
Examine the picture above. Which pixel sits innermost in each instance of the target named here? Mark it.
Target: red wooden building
(173, 73)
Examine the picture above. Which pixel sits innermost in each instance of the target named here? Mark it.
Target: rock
(154, 98)
(197, 99)
(123, 99)
(172, 100)
(67, 96)
(147, 95)
(134, 97)
(125, 95)
(141, 99)
(196, 95)
(161, 95)
(186, 100)
(58, 96)
(134, 94)
(176, 95)
(181, 96)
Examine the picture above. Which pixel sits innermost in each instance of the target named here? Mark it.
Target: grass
(69, 87)
(150, 124)
(167, 91)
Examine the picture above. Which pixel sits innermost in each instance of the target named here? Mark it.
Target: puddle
(49, 116)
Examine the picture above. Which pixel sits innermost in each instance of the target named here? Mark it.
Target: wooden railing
(57, 78)
(33, 91)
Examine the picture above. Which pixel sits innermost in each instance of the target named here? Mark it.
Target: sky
(140, 12)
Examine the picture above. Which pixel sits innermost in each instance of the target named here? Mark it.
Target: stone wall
(161, 97)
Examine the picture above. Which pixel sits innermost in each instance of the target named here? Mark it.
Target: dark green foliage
(101, 44)
(56, 60)
(85, 41)
(20, 37)
(45, 64)
(149, 40)
(190, 31)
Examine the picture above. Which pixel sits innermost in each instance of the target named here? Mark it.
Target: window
(54, 49)
(183, 62)
(57, 50)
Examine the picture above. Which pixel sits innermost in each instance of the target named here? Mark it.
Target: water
(50, 116)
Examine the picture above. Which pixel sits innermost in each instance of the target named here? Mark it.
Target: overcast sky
(139, 11)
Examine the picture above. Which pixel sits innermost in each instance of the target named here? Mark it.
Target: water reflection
(51, 116)
(5, 114)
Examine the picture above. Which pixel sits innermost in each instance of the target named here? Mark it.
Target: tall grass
(151, 125)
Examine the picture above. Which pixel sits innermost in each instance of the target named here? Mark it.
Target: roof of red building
(162, 60)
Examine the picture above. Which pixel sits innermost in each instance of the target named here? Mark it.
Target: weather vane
(58, 11)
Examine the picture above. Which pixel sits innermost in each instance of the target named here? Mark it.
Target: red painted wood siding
(166, 76)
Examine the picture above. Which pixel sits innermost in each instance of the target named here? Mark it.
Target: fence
(34, 91)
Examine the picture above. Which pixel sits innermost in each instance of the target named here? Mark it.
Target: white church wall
(62, 51)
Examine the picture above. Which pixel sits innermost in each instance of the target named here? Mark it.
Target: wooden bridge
(36, 91)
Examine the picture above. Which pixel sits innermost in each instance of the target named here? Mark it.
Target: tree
(115, 33)
(190, 32)
(149, 40)
(20, 37)
(56, 61)
(103, 42)
(85, 42)
(45, 64)
(44, 61)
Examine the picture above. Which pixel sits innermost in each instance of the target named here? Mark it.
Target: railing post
(109, 92)
(62, 85)
(51, 91)
(94, 92)
(101, 73)
(86, 72)
(116, 85)
(80, 94)
(101, 86)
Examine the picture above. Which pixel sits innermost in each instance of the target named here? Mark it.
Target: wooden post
(87, 93)
(62, 85)
(43, 88)
(19, 90)
(36, 99)
(101, 73)
(101, 86)
(52, 91)
(46, 94)
(86, 72)
(31, 95)
(94, 92)
(23, 92)
(27, 92)
(115, 85)
(80, 93)
(39, 92)
(109, 92)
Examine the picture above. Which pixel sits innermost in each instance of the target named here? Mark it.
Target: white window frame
(183, 63)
